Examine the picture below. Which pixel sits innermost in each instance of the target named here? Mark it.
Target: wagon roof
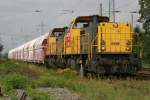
(39, 41)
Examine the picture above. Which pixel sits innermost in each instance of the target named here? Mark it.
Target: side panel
(31, 53)
(85, 43)
(114, 38)
(51, 49)
(39, 55)
(72, 42)
(60, 44)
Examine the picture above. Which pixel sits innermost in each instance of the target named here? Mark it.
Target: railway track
(143, 74)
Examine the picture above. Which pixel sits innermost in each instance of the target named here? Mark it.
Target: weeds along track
(143, 74)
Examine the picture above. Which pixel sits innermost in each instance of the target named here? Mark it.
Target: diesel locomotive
(100, 46)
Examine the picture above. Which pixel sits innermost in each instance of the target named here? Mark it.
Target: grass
(146, 65)
(39, 95)
(17, 75)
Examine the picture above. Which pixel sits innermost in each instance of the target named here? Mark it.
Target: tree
(137, 29)
(145, 18)
(1, 47)
(145, 9)
(145, 14)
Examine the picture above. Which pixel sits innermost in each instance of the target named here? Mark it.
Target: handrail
(91, 53)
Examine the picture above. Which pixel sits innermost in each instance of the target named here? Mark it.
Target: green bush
(45, 81)
(50, 81)
(16, 81)
(7, 66)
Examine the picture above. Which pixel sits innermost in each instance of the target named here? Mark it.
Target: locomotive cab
(82, 31)
(55, 42)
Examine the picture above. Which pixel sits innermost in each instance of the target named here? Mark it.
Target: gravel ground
(61, 93)
(57, 93)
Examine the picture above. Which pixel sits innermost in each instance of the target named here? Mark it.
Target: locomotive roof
(90, 18)
(57, 30)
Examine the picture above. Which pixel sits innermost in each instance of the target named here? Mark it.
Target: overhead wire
(126, 5)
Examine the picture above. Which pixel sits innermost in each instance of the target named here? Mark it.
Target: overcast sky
(19, 23)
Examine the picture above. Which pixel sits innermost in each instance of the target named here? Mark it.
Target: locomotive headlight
(103, 48)
(115, 25)
(128, 44)
(103, 44)
(128, 48)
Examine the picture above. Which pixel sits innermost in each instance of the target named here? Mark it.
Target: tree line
(145, 19)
